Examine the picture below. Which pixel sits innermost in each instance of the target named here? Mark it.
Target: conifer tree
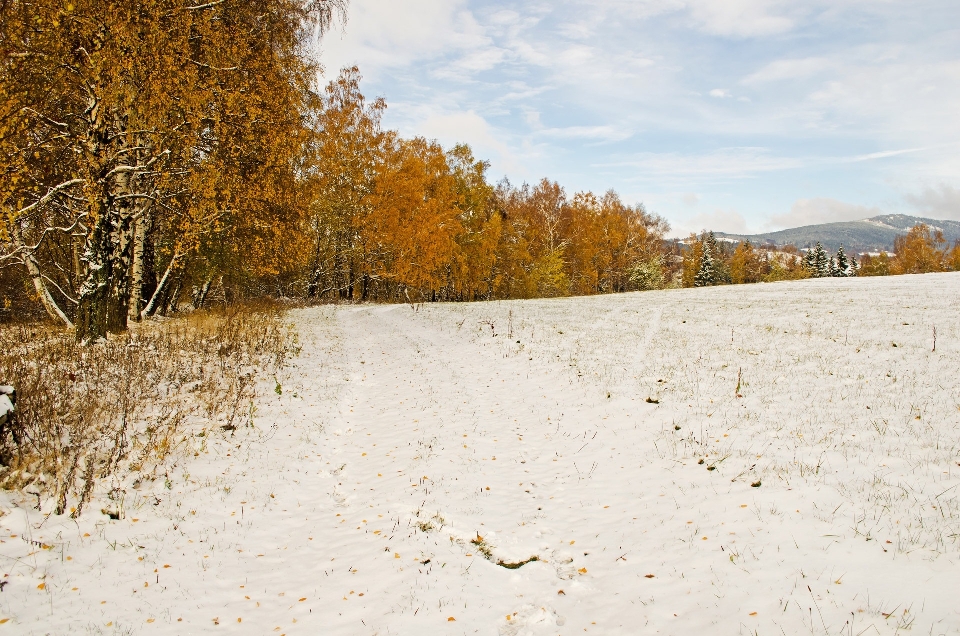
(707, 274)
(821, 262)
(842, 264)
(809, 263)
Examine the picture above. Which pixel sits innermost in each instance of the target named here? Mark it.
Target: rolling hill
(868, 235)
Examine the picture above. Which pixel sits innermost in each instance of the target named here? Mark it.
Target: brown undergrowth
(87, 412)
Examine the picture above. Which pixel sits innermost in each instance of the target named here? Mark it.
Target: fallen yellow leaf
(451, 620)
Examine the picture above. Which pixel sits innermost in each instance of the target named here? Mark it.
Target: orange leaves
(403, 220)
(412, 218)
(919, 251)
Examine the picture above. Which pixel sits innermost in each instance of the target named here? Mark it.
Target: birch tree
(121, 119)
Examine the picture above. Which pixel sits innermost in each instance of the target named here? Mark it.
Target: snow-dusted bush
(648, 274)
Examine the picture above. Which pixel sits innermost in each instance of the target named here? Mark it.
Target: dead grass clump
(84, 412)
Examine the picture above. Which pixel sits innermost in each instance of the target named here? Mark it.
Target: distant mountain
(869, 235)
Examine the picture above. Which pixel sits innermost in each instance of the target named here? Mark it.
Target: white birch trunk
(163, 282)
(142, 228)
(33, 270)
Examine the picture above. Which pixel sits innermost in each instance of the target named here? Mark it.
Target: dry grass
(87, 412)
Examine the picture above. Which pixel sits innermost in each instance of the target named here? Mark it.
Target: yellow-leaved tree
(919, 252)
(140, 130)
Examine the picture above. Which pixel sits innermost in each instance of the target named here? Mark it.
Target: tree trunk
(95, 290)
(104, 295)
(141, 232)
(202, 295)
(151, 306)
(33, 270)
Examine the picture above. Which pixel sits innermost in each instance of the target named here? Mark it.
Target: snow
(6, 403)
(403, 435)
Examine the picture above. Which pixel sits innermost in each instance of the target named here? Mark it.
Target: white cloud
(729, 221)
(727, 163)
(821, 210)
(787, 70)
(385, 34)
(743, 18)
(884, 154)
(941, 202)
(591, 133)
(720, 92)
(450, 128)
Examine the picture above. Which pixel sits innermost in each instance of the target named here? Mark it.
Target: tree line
(163, 153)
(707, 261)
(172, 153)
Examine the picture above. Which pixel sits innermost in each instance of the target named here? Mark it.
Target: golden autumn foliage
(919, 252)
(170, 153)
(147, 137)
(953, 257)
(395, 219)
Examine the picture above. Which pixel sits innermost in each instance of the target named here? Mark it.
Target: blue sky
(732, 115)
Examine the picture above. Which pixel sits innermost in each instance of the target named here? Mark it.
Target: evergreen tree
(707, 274)
(842, 264)
(821, 262)
(719, 257)
(854, 266)
(809, 263)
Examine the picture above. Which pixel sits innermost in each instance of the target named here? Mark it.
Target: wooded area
(709, 261)
(153, 154)
(161, 154)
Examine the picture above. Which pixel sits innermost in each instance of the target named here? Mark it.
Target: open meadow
(754, 459)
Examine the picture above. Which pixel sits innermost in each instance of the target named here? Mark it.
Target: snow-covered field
(413, 455)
